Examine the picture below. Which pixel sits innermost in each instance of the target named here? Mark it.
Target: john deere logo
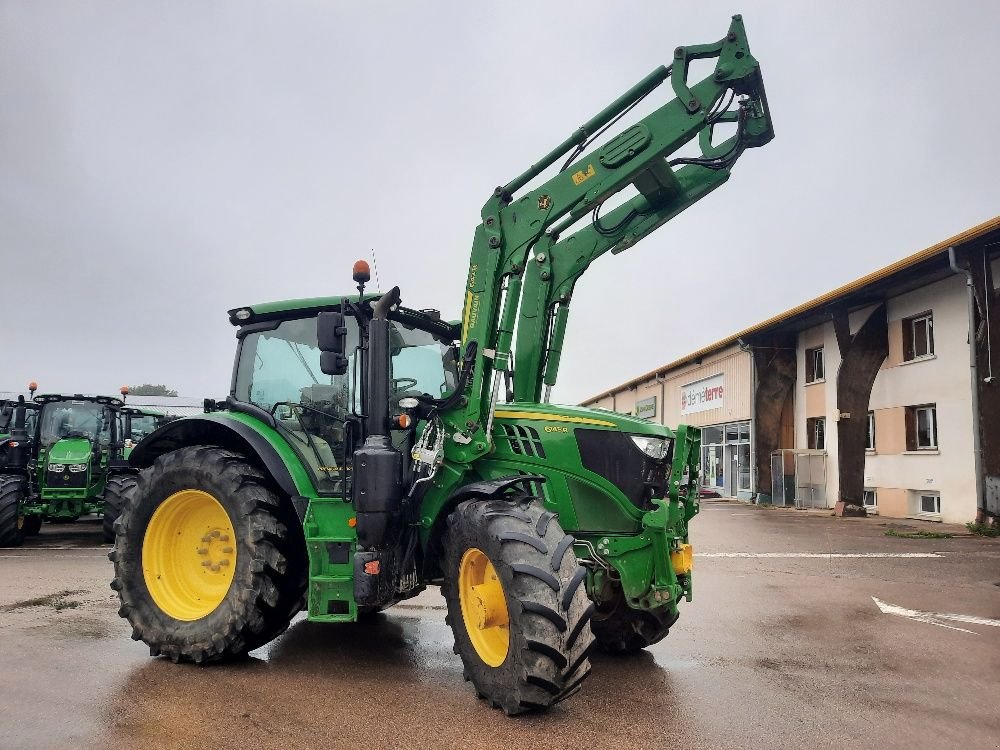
(544, 202)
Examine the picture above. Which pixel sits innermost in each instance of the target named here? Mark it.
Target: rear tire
(533, 573)
(266, 552)
(619, 629)
(12, 493)
(116, 492)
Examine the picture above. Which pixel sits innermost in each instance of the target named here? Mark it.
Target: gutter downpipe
(977, 449)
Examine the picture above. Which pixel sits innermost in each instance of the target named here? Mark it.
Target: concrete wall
(942, 379)
(819, 398)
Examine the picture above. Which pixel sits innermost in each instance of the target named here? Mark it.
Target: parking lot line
(821, 555)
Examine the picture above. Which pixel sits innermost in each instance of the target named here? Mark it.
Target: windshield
(421, 364)
(142, 425)
(279, 372)
(82, 419)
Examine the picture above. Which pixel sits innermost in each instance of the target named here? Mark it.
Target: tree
(147, 389)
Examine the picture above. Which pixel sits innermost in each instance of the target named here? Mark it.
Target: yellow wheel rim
(189, 555)
(484, 607)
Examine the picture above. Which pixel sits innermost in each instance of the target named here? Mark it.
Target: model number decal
(555, 428)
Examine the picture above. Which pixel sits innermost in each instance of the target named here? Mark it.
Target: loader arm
(533, 224)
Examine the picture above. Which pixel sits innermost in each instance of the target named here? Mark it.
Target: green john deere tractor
(62, 460)
(138, 423)
(367, 450)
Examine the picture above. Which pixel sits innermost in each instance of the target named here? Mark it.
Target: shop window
(870, 498)
(732, 433)
(928, 503)
(918, 336)
(711, 435)
(921, 428)
(816, 430)
(870, 432)
(814, 365)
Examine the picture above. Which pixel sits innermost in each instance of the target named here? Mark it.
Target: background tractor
(367, 450)
(62, 460)
(137, 423)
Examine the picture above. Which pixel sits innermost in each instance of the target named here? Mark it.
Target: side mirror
(331, 335)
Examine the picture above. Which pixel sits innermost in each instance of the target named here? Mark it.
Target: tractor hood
(578, 415)
(70, 451)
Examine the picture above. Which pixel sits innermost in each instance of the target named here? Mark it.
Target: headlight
(653, 447)
(77, 468)
(57, 467)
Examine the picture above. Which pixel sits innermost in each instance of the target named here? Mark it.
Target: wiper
(298, 353)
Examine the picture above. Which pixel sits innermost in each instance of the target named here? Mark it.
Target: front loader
(367, 450)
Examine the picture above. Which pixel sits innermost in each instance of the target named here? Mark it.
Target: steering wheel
(403, 384)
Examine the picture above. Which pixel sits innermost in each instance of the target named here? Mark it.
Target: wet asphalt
(774, 652)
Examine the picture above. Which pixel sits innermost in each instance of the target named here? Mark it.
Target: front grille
(524, 441)
(615, 457)
(66, 479)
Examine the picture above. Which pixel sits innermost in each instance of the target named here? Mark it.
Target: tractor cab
(135, 424)
(280, 371)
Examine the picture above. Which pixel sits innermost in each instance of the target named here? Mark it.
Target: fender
(491, 488)
(488, 488)
(226, 433)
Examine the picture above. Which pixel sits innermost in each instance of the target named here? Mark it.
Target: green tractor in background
(137, 423)
(63, 462)
(7, 425)
(367, 450)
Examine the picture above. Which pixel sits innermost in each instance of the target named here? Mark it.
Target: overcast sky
(161, 163)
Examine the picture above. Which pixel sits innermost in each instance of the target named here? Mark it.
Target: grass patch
(918, 534)
(982, 529)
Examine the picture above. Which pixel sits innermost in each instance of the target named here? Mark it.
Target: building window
(918, 336)
(814, 365)
(816, 430)
(929, 503)
(870, 432)
(921, 428)
(870, 498)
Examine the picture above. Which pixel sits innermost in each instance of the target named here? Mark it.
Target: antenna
(378, 284)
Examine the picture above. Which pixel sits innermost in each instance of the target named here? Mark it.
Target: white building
(898, 414)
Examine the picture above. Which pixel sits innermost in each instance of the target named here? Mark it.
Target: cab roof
(310, 306)
(46, 398)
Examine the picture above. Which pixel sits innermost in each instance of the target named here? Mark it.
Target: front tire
(116, 492)
(517, 603)
(12, 494)
(209, 564)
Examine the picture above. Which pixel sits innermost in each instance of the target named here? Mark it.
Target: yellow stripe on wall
(552, 418)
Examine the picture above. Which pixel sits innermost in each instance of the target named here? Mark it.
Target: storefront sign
(646, 409)
(702, 395)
